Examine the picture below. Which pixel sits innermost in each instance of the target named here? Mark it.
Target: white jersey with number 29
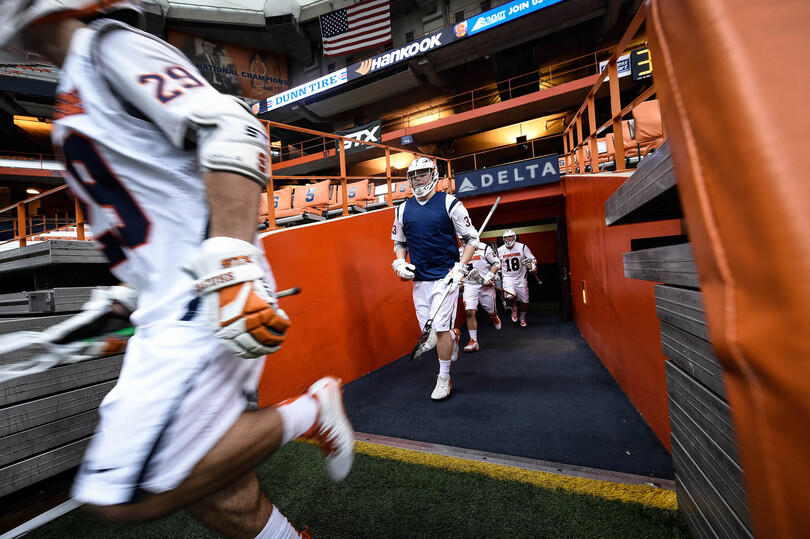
(141, 195)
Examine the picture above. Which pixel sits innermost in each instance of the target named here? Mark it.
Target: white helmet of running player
(15, 15)
(423, 176)
(509, 238)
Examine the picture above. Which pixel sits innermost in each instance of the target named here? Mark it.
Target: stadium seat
(401, 190)
(357, 198)
(649, 127)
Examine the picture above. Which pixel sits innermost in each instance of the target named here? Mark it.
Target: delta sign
(537, 171)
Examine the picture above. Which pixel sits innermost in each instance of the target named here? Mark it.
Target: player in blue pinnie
(426, 227)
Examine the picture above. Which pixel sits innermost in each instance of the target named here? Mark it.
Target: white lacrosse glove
(101, 329)
(240, 307)
(455, 275)
(488, 278)
(107, 311)
(403, 270)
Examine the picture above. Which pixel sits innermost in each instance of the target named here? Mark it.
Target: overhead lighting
(32, 191)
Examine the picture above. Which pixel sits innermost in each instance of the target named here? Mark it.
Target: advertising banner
(505, 13)
(371, 132)
(537, 171)
(233, 69)
(422, 45)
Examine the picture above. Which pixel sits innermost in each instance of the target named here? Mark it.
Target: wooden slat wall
(710, 482)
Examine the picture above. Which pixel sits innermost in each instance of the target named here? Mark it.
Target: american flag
(362, 26)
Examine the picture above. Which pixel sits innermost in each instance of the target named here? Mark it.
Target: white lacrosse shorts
(518, 287)
(426, 294)
(476, 294)
(179, 392)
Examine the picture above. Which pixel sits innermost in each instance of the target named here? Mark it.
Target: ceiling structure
(569, 29)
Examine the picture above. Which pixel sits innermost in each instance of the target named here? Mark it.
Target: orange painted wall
(353, 314)
(619, 320)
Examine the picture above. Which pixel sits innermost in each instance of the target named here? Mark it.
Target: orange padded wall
(353, 314)
(619, 320)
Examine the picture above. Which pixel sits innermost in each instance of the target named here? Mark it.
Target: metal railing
(582, 132)
(23, 226)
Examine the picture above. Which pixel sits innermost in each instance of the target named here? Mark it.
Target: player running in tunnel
(426, 227)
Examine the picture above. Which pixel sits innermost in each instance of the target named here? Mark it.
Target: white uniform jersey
(512, 261)
(142, 196)
(482, 260)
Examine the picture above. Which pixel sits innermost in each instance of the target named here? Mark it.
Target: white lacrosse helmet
(423, 176)
(15, 15)
(509, 238)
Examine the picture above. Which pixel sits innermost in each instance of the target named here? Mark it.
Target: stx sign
(429, 42)
(369, 132)
(537, 171)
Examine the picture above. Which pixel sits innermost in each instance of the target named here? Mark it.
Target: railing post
(79, 219)
(21, 230)
(594, 148)
(344, 189)
(390, 198)
(615, 112)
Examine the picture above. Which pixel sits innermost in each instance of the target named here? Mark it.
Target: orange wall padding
(619, 321)
(353, 314)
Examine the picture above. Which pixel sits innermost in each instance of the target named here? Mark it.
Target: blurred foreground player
(167, 168)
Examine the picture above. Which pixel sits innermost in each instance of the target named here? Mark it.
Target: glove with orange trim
(241, 309)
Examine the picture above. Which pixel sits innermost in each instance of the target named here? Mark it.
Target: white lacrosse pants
(426, 295)
(518, 287)
(475, 294)
(179, 392)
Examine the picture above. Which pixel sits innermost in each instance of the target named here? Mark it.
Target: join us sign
(505, 177)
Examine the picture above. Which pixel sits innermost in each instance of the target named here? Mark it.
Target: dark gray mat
(537, 392)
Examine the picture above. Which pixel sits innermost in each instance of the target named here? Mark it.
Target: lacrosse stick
(475, 276)
(428, 338)
(528, 264)
(73, 352)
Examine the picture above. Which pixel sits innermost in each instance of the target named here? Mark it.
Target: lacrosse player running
(170, 172)
(485, 265)
(426, 227)
(516, 258)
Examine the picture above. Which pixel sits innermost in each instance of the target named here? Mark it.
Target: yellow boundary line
(648, 496)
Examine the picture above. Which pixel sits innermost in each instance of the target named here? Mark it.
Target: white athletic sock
(474, 334)
(444, 368)
(298, 416)
(278, 527)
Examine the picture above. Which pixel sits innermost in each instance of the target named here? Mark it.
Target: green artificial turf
(385, 498)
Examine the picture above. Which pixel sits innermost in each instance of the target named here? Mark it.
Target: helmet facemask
(509, 239)
(422, 181)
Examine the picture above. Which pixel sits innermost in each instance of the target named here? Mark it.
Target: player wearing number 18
(516, 258)
(170, 172)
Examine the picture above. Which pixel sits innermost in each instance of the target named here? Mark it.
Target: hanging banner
(371, 132)
(233, 69)
(537, 171)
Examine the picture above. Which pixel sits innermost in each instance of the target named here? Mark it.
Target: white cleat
(514, 314)
(333, 431)
(454, 353)
(442, 390)
(522, 322)
(496, 321)
(472, 346)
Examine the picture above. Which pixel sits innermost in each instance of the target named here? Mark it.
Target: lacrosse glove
(403, 270)
(488, 278)
(455, 275)
(242, 310)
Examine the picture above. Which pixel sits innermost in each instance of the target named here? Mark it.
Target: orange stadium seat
(400, 191)
(649, 127)
(357, 198)
(312, 196)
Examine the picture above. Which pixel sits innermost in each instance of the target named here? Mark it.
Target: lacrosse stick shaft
(489, 215)
(505, 293)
